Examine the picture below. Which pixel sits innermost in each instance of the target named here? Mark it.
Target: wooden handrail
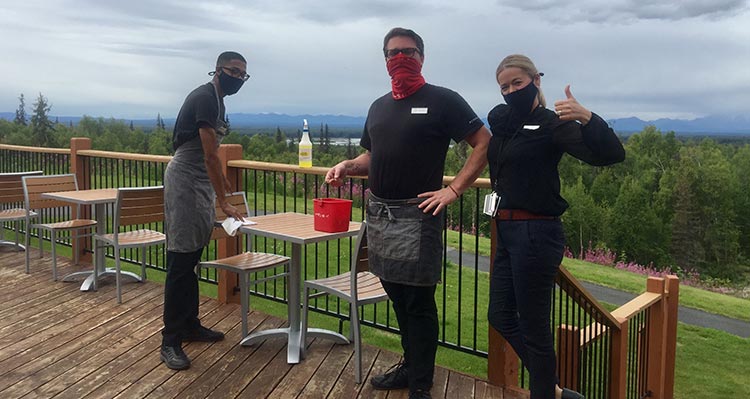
(636, 305)
(321, 171)
(573, 287)
(125, 155)
(35, 149)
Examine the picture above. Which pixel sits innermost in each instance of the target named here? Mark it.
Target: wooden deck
(56, 341)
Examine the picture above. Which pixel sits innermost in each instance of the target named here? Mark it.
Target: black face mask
(229, 84)
(522, 100)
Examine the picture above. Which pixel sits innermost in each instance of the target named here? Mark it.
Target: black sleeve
(596, 143)
(206, 111)
(458, 117)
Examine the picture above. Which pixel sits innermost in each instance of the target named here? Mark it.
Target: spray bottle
(305, 147)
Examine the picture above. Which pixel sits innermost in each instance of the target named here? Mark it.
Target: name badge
(419, 111)
(531, 127)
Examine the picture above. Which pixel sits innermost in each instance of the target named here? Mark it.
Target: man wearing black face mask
(192, 180)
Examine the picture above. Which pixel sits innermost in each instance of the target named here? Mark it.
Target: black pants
(417, 317)
(180, 296)
(528, 256)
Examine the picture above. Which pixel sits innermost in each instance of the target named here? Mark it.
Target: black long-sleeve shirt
(524, 153)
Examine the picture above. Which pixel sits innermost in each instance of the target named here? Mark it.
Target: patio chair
(246, 264)
(11, 195)
(358, 287)
(136, 206)
(33, 188)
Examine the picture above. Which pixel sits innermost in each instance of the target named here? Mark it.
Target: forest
(678, 203)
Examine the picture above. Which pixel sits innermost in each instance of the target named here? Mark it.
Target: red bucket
(331, 214)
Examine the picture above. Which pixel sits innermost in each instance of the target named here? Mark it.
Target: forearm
(213, 167)
(475, 164)
(359, 166)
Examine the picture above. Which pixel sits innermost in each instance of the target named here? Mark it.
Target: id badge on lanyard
(491, 204)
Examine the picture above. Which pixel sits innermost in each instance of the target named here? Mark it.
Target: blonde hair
(524, 63)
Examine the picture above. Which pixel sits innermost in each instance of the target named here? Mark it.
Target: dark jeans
(180, 296)
(417, 317)
(527, 259)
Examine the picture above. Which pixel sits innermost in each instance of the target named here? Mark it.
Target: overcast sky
(136, 58)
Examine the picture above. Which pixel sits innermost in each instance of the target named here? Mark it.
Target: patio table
(99, 198)
(297, 229)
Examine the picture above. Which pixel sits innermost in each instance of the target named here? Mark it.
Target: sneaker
(569, 394)
(397, 377)
(203, 334)
(174, 357)
(420, 394)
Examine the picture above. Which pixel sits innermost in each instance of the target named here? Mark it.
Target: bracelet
(452, 189)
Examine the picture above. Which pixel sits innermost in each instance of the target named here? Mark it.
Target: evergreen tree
(131, 126)
(21, 112)
(327, 139)
(41, 126)
(279, 135)
(160, 122)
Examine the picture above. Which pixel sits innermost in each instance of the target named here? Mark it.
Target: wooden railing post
(619, 361)
(228, 281)
(657, 331)
(672, 294)
(79, 167)
(502, 361)
(569, 349)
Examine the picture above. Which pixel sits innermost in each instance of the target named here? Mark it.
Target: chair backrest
(11, 186)
(139, 205)
(360, 261)
(239, 201)
(35, 186)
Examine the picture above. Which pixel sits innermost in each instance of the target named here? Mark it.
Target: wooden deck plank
(94, 354)
(235, 357)
(459, 384)
(294, 382)
(178, 382)
(156, 373)
(36, 364)
(58, 342)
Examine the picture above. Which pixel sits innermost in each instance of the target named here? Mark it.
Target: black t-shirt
(524, 152)
(409, 138)
(202, 107)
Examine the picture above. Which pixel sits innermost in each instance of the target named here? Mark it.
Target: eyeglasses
(409, 51)
(237, 73)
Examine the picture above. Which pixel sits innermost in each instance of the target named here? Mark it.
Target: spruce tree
(41, 126)
(20, 112)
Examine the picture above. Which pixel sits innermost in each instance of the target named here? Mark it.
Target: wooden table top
(85, 197)
(294, 227)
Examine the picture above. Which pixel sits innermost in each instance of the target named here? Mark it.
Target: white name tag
(419, 111)
(531, 127)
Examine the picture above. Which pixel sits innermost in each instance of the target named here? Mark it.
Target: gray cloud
(628, 11)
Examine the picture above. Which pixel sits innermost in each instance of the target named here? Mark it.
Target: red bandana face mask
(406, 76)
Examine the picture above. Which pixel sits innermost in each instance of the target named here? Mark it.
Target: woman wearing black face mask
(527, 143)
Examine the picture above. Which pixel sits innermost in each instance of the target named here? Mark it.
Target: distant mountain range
(710, 125)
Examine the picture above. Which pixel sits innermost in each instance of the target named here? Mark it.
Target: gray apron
(189, 212)
(404, 244)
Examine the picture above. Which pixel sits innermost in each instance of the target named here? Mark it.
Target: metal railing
(625, 353)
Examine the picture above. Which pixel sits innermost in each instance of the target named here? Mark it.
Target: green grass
(697, 298)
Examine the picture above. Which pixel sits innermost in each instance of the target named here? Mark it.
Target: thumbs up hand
(570, 110)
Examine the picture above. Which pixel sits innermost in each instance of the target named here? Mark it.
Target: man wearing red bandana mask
(407, 135)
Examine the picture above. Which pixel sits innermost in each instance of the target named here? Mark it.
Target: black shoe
(397, 377)
(174, 357)
(419, 394)
(203, 334)
(568, 394)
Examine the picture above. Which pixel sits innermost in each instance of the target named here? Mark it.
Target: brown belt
(520, 214)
